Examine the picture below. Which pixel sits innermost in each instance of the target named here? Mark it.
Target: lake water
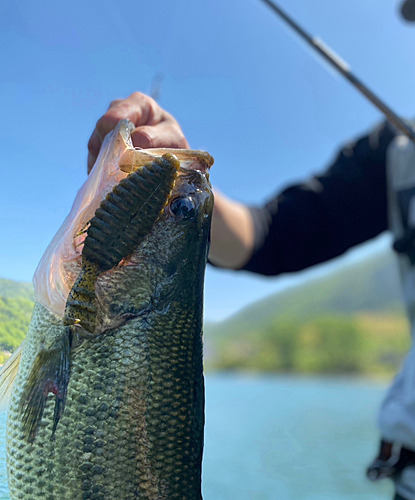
(284, 438)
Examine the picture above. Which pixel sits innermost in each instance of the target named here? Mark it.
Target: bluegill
(108, 400)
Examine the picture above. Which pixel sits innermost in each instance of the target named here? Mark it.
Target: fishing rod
(344, 69)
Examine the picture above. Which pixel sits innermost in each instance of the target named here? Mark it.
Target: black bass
(111, 404)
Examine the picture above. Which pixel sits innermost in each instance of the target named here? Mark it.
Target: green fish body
(132, 425)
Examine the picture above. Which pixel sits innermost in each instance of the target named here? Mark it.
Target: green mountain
(10, 289)
(16, 304)
(349, 321)
(369, 285)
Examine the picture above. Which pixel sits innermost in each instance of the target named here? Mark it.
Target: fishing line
(344, 69)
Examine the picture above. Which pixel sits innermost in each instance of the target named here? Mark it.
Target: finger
(146, 110)
(163, 135)
(115, 102)
(146, 114)
(139, 108)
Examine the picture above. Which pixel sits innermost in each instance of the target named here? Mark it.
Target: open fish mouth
(189, 159)
(131, 158)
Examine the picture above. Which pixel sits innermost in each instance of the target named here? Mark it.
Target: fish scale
(132, 427)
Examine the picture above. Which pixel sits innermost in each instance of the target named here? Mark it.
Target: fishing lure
(119, 225)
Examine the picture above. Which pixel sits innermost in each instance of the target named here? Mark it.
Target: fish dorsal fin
(7, 376)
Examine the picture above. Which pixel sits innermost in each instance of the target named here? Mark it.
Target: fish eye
(183, 207)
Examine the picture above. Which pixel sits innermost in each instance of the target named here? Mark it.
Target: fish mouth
(131, 158)
(190, 159)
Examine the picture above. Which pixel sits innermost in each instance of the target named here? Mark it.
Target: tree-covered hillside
(10, 289)
(16, 304)
(369, 285)
(365, 343)
(351, 321)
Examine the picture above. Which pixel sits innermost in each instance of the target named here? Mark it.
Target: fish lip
(194, 159)
(190, 159)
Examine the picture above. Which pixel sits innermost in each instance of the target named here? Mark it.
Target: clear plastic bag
(56, 271)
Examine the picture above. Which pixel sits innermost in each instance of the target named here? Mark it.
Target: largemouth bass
(117, 409)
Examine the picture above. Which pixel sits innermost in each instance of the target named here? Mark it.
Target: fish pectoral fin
(7, 376)
(115, 322)
(49, 375)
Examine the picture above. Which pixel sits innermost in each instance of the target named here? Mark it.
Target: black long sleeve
(316, 221)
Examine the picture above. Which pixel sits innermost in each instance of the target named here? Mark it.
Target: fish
(108, 389)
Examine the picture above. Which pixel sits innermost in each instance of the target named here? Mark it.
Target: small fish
(108, 400)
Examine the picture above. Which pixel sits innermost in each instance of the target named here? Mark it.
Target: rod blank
(343, 68)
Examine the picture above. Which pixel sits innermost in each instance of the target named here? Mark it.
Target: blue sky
(240, 83)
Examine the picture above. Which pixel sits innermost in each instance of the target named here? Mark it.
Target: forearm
(310, 223)
(233, 235)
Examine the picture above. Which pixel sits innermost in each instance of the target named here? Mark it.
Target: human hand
(155, 128)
